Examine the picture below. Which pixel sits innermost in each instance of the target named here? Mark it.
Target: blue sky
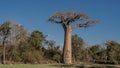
(33, 15)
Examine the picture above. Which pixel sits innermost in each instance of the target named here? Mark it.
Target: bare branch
(86, 24)
(89, 23)
(79, 16)
(54, 21)
(67, 17)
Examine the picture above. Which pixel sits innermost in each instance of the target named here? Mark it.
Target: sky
(33, 15)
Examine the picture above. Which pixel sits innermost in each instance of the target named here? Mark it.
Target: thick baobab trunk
(67, 47)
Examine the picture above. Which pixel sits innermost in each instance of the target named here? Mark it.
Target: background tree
(18, 34)
(113, 51)
(36, 39)
(32, 52)
(66, 19)
(94, 52)
(4, 33)
(53, 51)
(24, 47)
(77, 47)
(103, 55)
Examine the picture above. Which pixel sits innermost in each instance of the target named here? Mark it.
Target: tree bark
(4, 51)
(67, 51)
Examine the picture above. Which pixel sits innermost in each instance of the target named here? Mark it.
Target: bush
(32, 56)
(56, 58)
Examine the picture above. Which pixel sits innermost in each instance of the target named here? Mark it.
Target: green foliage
(102, 54)
(4, 33)
(77, 43)
(13, 53)
(24, 47)
(5, 29)
(53, 51)
(113, 51)
(53, 55)
(31, 56)
(95, 52)
(57, 57)
(36, 39)
(109, 54)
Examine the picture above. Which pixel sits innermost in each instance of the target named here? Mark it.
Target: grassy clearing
(57, 66)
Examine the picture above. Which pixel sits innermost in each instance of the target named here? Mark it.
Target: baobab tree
(66, 19)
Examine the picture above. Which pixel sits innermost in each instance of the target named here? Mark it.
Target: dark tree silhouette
(66, 19)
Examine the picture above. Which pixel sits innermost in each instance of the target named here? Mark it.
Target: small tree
(36, 39)
(113, 51)
(4, 33)
(66, 19)
(94, 52)
(77, 43)
(17, 36)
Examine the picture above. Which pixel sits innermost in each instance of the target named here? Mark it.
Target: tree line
(17, 45)
(107, 53)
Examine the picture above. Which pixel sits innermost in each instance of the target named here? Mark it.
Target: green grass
(57, 66)
(27, 66)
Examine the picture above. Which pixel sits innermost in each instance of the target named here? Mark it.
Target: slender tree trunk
(67, 47)
(4, 51)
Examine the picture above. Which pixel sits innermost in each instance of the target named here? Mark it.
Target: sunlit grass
(27, 66)
(58, 66)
